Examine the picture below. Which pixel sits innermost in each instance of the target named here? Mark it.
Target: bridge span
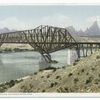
(47, 39)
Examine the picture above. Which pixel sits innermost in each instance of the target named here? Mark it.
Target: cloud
(92, 19)
(57, 20)
(53, 20)
(13, 23)
(89, 21)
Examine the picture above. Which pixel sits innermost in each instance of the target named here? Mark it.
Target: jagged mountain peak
(95, 25)
(5, 29)
(93, 29)
(71, 29)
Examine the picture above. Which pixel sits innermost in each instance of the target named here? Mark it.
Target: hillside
(82, 76)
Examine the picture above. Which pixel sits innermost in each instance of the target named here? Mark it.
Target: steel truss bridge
(48, 39)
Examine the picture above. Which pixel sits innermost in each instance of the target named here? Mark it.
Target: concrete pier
(72, 56)
(43, 64)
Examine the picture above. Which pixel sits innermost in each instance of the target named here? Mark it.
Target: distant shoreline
(9, 50)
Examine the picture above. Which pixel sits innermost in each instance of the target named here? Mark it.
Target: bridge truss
(45, 40)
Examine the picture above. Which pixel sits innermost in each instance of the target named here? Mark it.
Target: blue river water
(21, 64)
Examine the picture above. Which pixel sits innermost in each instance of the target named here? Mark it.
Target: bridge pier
(78, 50)
(43, 62)
(1, 44)
(72, 56)
(91, 47)
(47, 57)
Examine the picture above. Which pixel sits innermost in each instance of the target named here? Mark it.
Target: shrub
(54, 70)
(77, 60)
(87, 73)
(97, 57)
(50, 68)
(82, 70)
(11, 83)
(7, 49)
(57, 77)
(42, 76)
(66, 89)
(17, 49)
(40, 70)
(35, 73)
(89, 80)
(48, 76)
(43, 90)
(99, 75)
(92, 68)
(22, 87)
(56, 83)
(76, 80)
(53, 84)
(75, 63)
(64, 67)
(70, 74)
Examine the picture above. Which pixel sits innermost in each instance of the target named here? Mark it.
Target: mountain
(80, 32)
(71, 30)
(5, 29)
(93, 29)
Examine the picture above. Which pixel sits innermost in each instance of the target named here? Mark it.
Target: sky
(30, 16)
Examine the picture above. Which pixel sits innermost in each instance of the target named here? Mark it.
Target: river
(21, 64)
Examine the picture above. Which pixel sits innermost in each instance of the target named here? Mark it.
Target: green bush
(11, 83)
(53, 84)
(76, 80)
(75, 63)
(70, 74)
(57, 77)
(48, 76)
(43, 90)
(35, 73)
(89, 80)
(7, 49)
(92, 68)
(98, 57)
(82, 70)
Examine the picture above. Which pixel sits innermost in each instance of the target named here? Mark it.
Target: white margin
(49, 2)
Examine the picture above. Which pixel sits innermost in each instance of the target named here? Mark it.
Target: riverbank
(82, 76)
(6, 85)
(6, 48)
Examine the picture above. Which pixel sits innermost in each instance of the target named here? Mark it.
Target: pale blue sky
(24, 17)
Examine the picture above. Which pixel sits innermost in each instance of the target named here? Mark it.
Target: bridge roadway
(47, 39)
